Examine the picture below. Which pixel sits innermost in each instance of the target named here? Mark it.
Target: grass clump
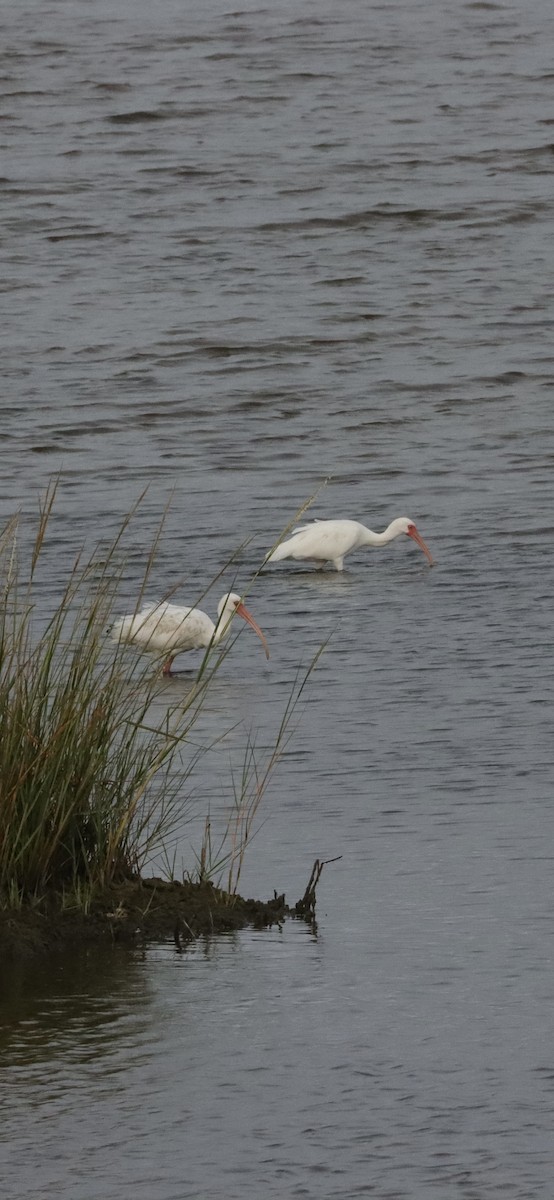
(94, 764)
(88, 785)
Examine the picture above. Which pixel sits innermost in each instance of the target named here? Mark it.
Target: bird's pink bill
(247, 616)
(414, 533)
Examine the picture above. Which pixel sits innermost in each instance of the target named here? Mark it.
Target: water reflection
(72, 1004)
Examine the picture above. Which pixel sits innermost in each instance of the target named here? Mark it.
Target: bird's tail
(284, 549)
(279, 553)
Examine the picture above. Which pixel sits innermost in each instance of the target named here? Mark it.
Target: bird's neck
(379, 539)
(223, 626)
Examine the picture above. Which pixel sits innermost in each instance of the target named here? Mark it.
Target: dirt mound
(134, 911)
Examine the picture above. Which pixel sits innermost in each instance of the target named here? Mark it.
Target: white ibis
(330, 541)
(171, 630)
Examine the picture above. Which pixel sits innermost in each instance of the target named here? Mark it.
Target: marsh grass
(222, 861)
(89, 784)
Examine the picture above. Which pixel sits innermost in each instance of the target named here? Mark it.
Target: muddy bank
(138, 910)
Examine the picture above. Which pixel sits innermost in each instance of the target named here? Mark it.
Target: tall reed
(222, 860)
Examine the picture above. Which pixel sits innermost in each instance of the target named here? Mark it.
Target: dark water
(246, 250)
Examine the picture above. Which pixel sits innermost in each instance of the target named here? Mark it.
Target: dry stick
(306, 906)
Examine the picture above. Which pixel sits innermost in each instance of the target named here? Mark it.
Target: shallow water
(247, 251)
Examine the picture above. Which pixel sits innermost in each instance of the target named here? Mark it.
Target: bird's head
(229, 601)
(401, 525)
(231, 604)
(406, 525)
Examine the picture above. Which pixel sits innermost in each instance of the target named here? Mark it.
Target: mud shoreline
(134, 912)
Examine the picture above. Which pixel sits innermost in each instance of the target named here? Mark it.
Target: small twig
(305, 907)
(180, 927)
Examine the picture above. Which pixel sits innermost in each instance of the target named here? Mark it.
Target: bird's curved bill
(415, 534)
(247, 616)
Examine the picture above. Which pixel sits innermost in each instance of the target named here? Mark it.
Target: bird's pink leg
(167, 666)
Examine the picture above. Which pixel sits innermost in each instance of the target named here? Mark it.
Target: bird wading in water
(171, 630)
(331, 541)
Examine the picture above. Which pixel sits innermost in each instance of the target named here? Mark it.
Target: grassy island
(93, 778)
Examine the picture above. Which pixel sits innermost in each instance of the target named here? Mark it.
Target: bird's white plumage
(165, 627)
(330, 541)
(171, 629)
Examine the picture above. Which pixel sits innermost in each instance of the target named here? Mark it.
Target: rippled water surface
(247, 250)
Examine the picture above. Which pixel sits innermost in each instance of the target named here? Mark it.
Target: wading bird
(171, 630)
(330, 541)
